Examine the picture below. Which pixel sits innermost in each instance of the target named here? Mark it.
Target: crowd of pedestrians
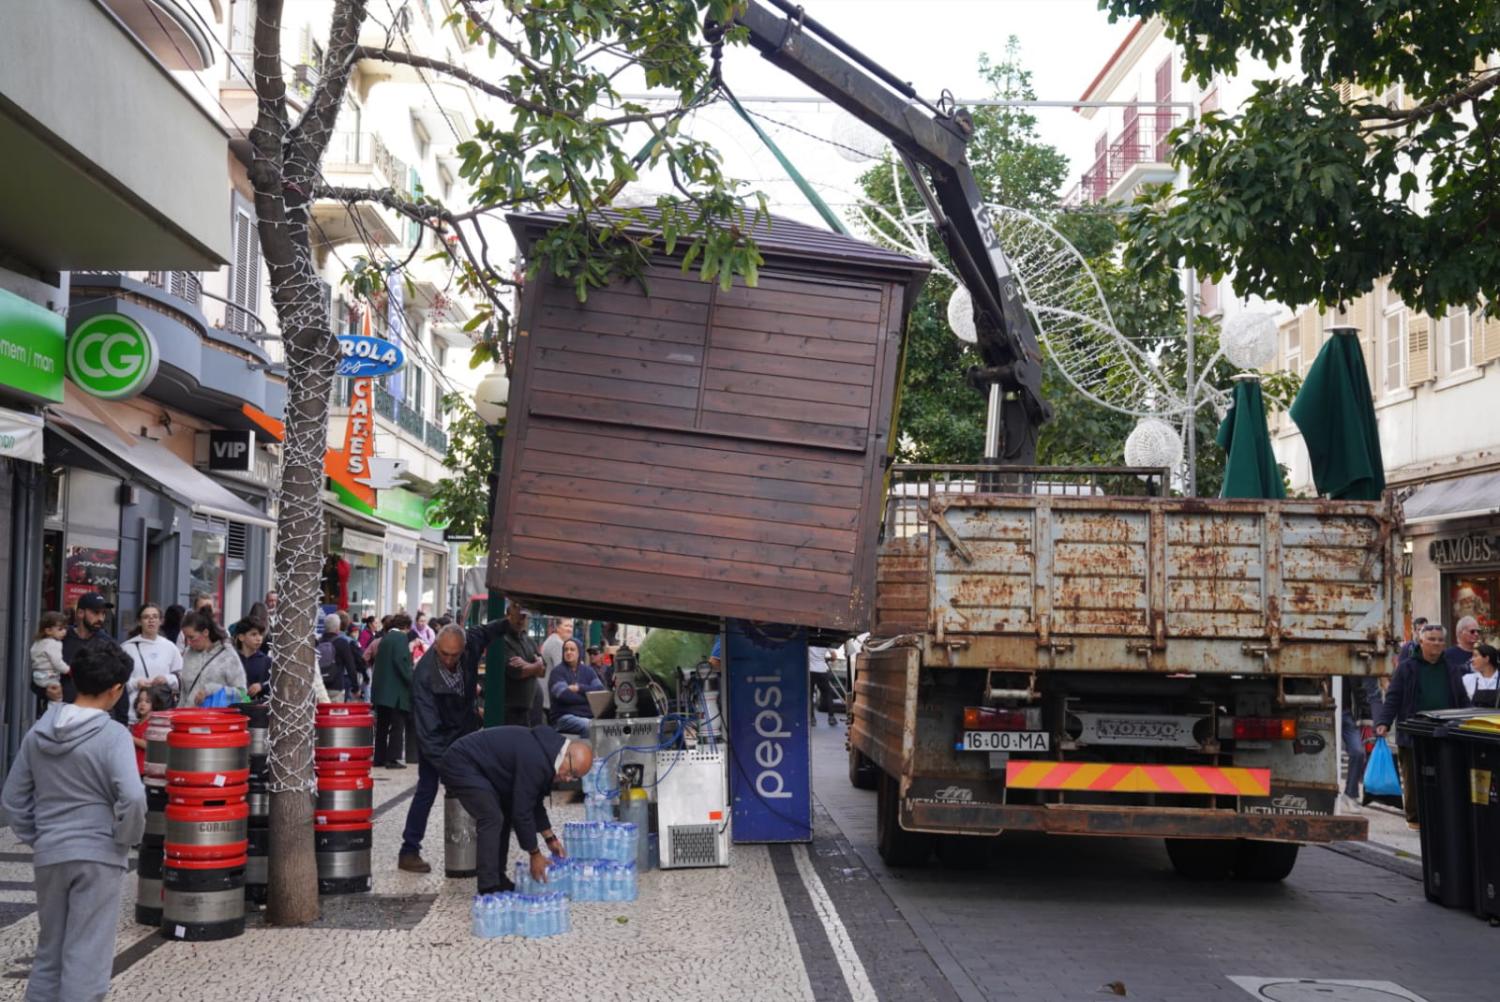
(1430, 674)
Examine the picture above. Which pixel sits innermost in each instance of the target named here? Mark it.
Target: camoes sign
(362, 355)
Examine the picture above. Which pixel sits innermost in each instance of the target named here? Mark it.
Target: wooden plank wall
(701, 451)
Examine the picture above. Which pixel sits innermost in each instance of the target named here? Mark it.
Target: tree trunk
(283, 171)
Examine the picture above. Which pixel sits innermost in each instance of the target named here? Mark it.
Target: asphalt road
(1064, 918)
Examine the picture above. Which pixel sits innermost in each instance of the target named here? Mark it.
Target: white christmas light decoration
(961, 315)
(857, 142)
(1249, 340)
(1153, 442)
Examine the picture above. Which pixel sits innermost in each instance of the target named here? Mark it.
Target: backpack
(328, 665)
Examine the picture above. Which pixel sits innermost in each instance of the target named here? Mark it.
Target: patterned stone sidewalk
(722, 934)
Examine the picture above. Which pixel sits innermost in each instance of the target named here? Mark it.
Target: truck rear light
(989, 718)
(1265, 728)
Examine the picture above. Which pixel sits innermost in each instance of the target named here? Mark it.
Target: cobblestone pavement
(1047, 919)
(720, 934)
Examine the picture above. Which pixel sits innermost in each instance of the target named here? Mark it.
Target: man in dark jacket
(90, 626)
(1426, 681)
(337, 660)
(501, 776)
(444, 708)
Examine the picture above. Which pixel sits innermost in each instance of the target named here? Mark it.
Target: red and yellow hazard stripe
(1103, 777)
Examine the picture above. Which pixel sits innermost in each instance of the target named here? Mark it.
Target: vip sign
(112, 357)
(231, 451)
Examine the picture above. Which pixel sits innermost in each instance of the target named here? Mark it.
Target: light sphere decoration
(1153, 442)
(857, 142)
(491, 396)
(1248, 340)
(961, 315)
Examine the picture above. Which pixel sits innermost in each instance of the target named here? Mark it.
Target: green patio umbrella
(1336, 414)
(1250, 470)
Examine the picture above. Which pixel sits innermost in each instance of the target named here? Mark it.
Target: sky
(935, 44)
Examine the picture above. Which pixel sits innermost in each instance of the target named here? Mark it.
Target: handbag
(1381, 776)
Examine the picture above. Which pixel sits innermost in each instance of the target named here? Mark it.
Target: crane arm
(933, 140)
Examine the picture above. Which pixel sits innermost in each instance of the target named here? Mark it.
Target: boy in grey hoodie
(75, 797)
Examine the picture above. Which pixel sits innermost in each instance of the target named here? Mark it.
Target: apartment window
(241, 30)
(1163, 110)
(423, 140)
(1293, 336)
(1455, 336)
(1393, 344)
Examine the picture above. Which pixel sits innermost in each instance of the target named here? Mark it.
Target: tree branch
(1483, 84)
(308, 139)
(495, 90)
(484, 25)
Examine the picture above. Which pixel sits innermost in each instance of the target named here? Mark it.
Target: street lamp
(490, 399)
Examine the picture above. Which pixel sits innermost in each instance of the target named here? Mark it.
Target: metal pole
(1190, 278)
(494, 657)
(992, 425)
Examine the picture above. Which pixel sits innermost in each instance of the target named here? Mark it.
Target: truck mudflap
(1165, 822)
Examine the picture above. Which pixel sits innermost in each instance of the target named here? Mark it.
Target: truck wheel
(862, 772)
(898, 847)
(963, 852)
(1202, 858)
(1264, 862)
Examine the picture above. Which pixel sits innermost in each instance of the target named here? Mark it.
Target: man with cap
(501, 776)
(90, 617)
(444, 708)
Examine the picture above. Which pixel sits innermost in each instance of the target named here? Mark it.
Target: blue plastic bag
(1381, 777)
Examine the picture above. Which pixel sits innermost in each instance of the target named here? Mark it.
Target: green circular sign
(111, 356)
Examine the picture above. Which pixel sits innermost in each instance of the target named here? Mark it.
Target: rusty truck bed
(1098, 583)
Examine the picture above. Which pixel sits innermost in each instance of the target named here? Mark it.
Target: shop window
(1475, 594)
(364, 584)
(207, 569)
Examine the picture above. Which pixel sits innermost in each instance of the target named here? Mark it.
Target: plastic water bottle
(565, 920)
(628, 885)
(509, 918)
(476, 917)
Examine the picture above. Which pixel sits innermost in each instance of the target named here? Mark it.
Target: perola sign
(362, 355)
(112, 357)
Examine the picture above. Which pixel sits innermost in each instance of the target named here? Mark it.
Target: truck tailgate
(1161, 584)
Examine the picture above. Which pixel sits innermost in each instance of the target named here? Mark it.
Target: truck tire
(1264, 862)
(898, 847)
(963, 852)
(1203, 858)
(862, 772)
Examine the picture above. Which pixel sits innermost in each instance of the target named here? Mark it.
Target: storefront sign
(1475, 548)
(20, 435)
(361, 355)
(112, 357)
(400, 547)
(361, 542)
(33, 347)
(231, 451)
(768, 703)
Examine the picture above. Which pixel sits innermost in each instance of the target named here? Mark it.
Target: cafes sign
(1475, 548)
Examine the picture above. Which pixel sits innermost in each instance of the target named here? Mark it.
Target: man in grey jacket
(75, 797)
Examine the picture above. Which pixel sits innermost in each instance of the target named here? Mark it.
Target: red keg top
(209, 721)
(216, 739)
(194, 796)
(360, 782)
(227, 863)
(229, 812)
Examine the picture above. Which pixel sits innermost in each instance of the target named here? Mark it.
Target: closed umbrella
(1336, 415)
(1250, 469)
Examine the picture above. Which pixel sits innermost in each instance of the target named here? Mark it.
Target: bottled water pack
(534, 916)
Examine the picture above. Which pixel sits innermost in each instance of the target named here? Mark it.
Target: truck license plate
(1007, 741)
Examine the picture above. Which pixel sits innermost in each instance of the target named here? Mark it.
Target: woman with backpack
(208, 663)
(337, 662)
(392, 697)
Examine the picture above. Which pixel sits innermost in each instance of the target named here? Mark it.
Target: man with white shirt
(817, 670)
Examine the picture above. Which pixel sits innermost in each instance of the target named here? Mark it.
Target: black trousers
(492, 833)
(390, 735)
(823, 687)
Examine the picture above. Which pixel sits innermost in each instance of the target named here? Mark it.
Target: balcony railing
(436, 438)
(368, 149)
(185, 285)
(409, 420)
(1143, 140)
(385, 404)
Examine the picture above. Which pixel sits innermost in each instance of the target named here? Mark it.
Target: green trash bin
(1481, 737)
(1442, 780)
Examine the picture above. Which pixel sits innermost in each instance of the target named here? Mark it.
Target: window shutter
(1311, 336)
(1418, 349)
(1486, 338)
(1362, 316)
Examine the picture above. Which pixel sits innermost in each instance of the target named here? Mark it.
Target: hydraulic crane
(931, 140)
